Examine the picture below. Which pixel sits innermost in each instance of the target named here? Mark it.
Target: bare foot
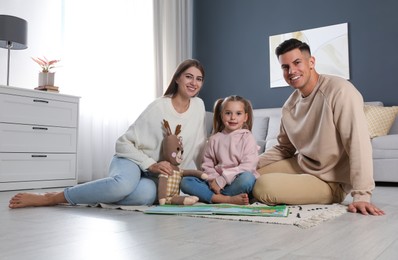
(190, 200)
(23, 200)
(241, 199)
(162, 201)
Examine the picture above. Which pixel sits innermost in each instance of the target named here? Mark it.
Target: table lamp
(13, 35)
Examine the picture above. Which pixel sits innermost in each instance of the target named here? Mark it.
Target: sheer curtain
(117, 55)
(109, 62)
(132, 48)
(173, 37)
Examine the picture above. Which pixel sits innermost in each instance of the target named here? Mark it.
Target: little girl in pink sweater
(230, 157)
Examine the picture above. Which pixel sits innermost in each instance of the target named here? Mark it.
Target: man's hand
(365, 208)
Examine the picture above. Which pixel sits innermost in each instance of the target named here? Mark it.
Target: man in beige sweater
(323, 151)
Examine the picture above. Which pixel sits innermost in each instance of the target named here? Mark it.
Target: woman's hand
(214, 186)
(162, 167)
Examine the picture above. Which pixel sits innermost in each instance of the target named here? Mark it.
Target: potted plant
(46, 77)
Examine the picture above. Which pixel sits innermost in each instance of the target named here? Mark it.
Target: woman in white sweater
(134, 168)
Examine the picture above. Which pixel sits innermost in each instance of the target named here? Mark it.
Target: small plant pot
(46, 79)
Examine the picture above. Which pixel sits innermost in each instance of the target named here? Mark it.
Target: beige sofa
(385, 148)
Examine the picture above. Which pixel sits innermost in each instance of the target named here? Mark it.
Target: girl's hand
(214, 186)
(162, 167)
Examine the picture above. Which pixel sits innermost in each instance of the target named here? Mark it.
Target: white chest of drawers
(38, 139)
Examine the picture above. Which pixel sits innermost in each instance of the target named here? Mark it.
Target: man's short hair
(291, 44)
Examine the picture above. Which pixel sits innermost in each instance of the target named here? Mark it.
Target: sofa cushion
(260, 127)
(274, 115)
(209, 122)
(380, 119)
(260, 130)
(386, 142)
(273, 131)
(394, 127)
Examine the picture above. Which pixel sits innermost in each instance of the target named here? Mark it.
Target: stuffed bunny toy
(169, 185)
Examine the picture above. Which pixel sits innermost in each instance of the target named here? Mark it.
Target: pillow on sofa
(260, 127)
(260, 130)
(380, 119)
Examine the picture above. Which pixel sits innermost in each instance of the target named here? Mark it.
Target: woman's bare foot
(241, 199)
(23, 200)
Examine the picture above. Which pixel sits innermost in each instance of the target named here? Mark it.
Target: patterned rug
(302, 216)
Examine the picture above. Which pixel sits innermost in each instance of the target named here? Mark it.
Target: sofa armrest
(386, 142)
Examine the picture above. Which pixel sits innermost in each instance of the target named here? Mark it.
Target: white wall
(44, 19)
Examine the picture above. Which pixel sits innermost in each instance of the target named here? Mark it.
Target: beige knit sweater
(329, 133)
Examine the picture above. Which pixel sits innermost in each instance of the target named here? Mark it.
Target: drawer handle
(40, 101)
(39, 156)
(39, 128)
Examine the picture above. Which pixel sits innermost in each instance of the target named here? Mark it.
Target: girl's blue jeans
(243, 183)
(127, 184)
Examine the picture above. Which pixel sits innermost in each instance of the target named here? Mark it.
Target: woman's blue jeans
(243, 183)
(126, 185)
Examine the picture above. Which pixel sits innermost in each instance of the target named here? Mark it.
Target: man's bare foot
(241, 199)
(23, 200)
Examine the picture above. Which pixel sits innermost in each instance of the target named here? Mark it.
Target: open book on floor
(221, 209)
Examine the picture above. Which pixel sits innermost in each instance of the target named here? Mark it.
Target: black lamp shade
(13, 30)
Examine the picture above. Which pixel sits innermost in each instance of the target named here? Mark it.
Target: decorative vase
(46, 79)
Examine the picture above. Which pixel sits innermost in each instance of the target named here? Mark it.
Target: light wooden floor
(58, 233)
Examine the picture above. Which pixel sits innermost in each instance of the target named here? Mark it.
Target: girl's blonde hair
(219, 105)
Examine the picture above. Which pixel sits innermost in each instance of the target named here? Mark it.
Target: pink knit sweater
(228, 154)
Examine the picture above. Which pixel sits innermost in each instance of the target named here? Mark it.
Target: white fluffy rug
(303, 216)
